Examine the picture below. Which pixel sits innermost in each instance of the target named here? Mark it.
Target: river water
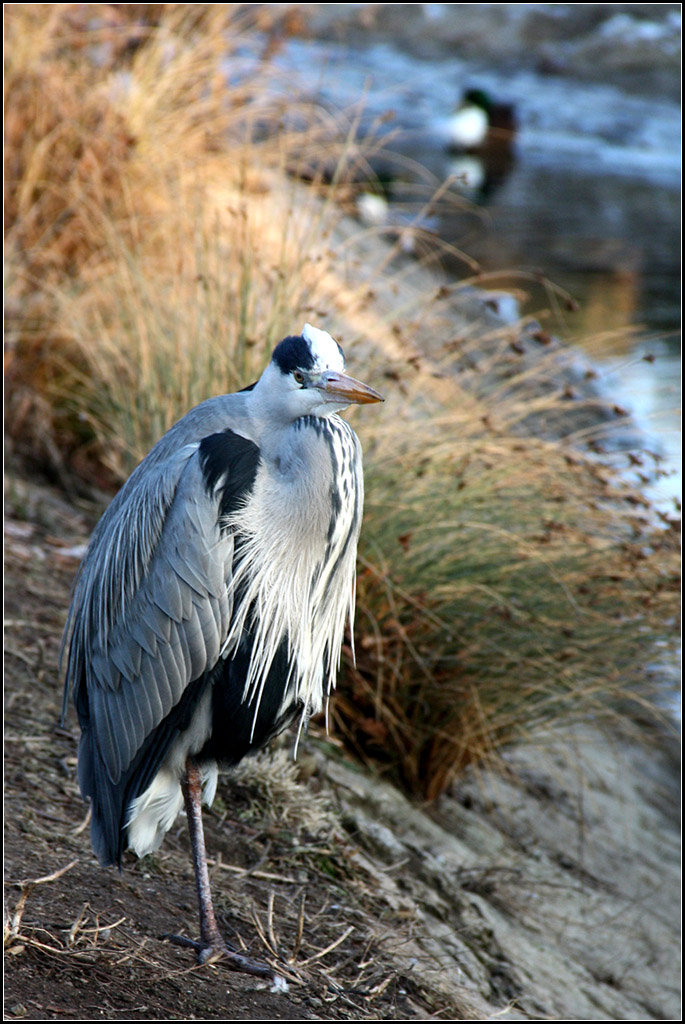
(590, 195)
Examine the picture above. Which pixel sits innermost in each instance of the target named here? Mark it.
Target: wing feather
(139, 631)
(171, 598)
(126, 658)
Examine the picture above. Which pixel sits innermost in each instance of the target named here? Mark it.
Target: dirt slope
(552, 894)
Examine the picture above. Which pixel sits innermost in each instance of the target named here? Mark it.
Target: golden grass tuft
(160, 242)
(504, 583)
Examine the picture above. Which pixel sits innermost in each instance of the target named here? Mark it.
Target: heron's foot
(219, 951)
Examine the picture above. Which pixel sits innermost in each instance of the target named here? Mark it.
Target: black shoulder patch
(229, 461)
(293, 353)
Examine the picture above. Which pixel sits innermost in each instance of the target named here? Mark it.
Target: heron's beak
(347, 389)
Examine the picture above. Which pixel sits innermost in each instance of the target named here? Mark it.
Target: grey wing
(150, 613)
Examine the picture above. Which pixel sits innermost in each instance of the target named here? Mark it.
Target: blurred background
(583, 183)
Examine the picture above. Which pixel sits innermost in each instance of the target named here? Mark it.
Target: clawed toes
(213, 952)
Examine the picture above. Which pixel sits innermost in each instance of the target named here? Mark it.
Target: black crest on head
(293, 353)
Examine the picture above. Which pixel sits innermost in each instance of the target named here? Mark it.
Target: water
(590, 196)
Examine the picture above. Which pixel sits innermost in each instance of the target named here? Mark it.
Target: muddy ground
(552, 893)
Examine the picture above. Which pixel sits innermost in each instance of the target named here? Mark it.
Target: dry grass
(160, 242)
(504, 582)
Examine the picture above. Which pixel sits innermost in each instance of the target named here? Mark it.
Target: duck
(479, 123)
(480, 149)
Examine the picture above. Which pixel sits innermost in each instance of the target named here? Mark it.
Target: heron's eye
(299, 377)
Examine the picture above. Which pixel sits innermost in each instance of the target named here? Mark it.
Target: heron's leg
(211, 942)
(191, 786)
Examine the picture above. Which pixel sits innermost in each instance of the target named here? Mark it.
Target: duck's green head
(478, 98)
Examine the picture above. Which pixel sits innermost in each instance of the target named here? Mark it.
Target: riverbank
(548, 892)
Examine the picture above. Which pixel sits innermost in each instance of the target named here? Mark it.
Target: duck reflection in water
(480, 140)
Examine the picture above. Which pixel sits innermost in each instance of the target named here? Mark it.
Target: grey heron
(209, 609)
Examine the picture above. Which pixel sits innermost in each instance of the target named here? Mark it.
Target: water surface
(590, 197)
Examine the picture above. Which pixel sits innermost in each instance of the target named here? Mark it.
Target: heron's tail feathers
(152, 814)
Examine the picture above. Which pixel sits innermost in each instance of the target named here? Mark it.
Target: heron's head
(306, 376)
